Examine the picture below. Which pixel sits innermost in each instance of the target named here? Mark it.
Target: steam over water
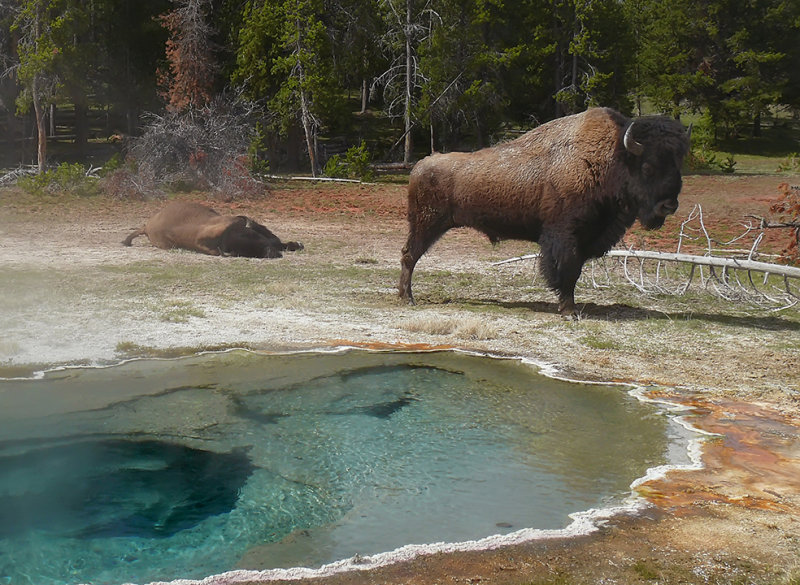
(155, 470)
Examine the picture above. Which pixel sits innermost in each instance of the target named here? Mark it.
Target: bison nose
(665, 208)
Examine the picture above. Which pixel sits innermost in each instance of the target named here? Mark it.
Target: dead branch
(764, 223)
(11, 176)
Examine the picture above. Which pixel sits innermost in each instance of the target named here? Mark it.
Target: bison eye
(647, 170)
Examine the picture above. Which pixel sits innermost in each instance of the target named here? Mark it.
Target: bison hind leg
(134, 234)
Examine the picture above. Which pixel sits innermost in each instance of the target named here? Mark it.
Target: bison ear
(635, 148)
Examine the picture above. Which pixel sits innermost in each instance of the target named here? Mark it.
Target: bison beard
(574, 185)
(192, 226)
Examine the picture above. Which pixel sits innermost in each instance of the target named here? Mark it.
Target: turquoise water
(155, 470)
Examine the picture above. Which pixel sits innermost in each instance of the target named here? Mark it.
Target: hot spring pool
(161, 469)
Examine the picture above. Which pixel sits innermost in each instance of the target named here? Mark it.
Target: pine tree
(354, 26)
(593, 52)
(284, 54)
(44, 30)
(751, 45)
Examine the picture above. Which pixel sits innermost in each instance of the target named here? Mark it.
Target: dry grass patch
(465, 327)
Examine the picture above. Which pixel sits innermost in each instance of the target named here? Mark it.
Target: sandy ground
(70, 293)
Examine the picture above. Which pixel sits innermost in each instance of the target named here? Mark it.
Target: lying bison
(574, 185)
(196, 227)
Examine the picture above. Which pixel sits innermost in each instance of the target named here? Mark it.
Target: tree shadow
(621, 312)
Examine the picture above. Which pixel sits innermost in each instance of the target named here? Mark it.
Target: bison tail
(135, 234)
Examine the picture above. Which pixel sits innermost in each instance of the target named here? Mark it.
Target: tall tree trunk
(80, 101)
(409, 87)
(38, 106)
(308, 130)
(757, 124)
(479, 131)
(41, 125)
(558, 65)
(307, 121)
(306, 118)
(364, 95)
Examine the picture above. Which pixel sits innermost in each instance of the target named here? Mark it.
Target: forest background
(328, 86)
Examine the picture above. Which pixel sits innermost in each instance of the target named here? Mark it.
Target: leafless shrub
(201, 148)
(124, 184)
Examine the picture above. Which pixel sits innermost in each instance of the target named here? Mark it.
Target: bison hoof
(569, 312)
(408, 297)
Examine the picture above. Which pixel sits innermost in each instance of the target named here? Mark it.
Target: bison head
(248, 238)
(655, 148)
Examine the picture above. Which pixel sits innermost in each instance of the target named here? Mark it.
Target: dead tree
(190, 52)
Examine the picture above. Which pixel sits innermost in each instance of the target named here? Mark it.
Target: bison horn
(635, 148)
(689, 131)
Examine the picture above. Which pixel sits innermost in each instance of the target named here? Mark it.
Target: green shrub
(335, 168)
(703, 133)
(701, 159)
(65, 178)
(354, 165)
(728, 165)
(357, 159)
(256, 151)
(790, 164)
(117, 161)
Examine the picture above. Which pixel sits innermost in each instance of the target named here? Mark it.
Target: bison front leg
(421, 236)
(293, 246)
(561, 266)
(408, 260)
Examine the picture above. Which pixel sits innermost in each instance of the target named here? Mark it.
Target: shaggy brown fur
(196, 227)
(571, 185)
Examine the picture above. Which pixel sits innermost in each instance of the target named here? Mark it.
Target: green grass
(759, 155)
(646, 570)
(129, 349)
(596, 340)
(178, 311)
(558, 579)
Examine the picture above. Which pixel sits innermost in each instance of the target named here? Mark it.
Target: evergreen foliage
(425, 74)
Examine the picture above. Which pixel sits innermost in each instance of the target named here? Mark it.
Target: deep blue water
(155, 470)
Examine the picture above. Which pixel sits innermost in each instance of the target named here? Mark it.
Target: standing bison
(196, 227)
(574, 185)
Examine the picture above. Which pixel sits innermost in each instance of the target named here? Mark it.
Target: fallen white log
(778, 269)
(315, 179)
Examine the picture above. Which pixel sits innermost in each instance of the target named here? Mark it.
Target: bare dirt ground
(71, 294)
